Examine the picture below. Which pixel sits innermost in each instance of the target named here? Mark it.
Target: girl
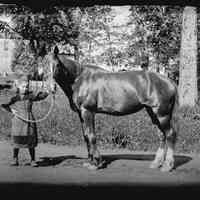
(23, 133)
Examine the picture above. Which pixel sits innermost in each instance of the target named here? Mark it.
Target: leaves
(159, 27)
(151, 30)
(60, 26)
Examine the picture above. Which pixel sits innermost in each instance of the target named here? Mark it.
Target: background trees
(89, 34)
(158, 32)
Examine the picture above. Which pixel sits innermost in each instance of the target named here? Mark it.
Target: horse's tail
(175, 115)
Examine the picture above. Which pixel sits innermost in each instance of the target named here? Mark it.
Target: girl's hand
(13, 111)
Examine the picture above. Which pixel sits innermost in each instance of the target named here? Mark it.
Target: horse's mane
(64, 58)
(72, 65)
(94, 67)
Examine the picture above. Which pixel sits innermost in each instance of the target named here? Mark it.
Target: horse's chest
(84, 94)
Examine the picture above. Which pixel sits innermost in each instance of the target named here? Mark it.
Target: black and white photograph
(99, 97)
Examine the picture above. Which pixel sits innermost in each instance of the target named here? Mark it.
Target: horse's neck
(73, 68)
(66, 87)
(69, 93)
(67, 75)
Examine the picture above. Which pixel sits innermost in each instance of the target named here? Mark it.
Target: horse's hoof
(167, 167)
(155, 165)
(90, 166)
(86, 164)
(34, 164)
(14, 163)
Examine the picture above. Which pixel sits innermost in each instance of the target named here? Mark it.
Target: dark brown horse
(91, 89)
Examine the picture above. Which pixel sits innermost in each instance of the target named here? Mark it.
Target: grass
(134, 132)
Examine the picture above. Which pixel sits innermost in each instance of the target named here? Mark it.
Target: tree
(94, 31)
(60, 25)
(104, 41)
(188, 58)
(42, 28)
(157, 31)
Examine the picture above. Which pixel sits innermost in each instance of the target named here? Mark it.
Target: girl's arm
(40, 96)
(12, 101)
(6, 107)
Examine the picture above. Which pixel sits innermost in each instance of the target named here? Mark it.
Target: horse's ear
(56, 51)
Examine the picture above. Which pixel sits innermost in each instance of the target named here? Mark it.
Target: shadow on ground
(107, 159)
(52, 161)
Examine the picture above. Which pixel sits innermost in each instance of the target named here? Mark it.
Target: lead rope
(39, 120)
(43, 118)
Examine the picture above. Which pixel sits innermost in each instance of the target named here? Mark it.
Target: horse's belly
(118, 103)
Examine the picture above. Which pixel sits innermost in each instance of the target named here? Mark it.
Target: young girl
(23, 133)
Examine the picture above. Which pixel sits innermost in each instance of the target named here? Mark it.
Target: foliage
(50, 29)
(47, 27)
(43, 30)
(152, 31)
(23, 59)
(158, 31)
(94, 31)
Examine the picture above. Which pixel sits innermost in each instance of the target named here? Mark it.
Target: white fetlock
(34, 164)
(92, 167)
(89, 166)
(159, 159)
(86, 164)
(156, 164)
(167, 166)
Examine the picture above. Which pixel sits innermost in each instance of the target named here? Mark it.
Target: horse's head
(46, 70)
(52, 60)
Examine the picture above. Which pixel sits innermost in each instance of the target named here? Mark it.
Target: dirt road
(62, 166)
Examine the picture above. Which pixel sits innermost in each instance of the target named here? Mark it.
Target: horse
(91, 89)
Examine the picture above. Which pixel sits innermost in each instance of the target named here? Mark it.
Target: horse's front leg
(88, 125)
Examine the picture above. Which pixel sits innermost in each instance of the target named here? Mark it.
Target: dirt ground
(63, 166)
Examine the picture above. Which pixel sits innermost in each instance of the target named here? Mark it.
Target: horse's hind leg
(160, 154)
(170, 133)
(90, 138)
(165, 154)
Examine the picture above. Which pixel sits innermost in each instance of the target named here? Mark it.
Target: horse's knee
(167, 129)
(90, 138)
(171, 136)
(162, 139)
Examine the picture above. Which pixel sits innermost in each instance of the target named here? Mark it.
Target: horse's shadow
(109, 158)
(52, 161)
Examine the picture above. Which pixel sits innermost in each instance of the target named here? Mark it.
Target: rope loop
(38, 120)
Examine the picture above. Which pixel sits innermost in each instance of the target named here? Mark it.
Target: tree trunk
(188, 92)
